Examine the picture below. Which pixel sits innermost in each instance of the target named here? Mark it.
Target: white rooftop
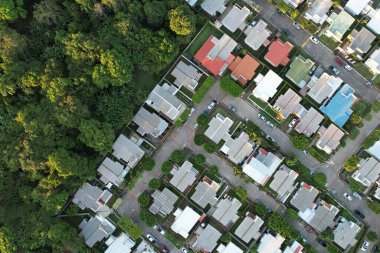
(235, 18)
(373, 24)
(375, 150)
(354, 7)
(184, 221)
(121, 244)
(218, 128)
(270, 243)
(266, 86)
(257, 35)
(230, 248)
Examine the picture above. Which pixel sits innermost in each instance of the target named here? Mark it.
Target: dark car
(375, 249)
(358, 213)
(286, 32)
(334, 70)
(322, 242)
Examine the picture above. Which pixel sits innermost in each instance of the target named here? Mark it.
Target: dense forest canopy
(67, 85)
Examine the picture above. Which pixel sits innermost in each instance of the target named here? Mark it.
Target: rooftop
(207, 239)
(375, 150)
(95, 230)
(184, 222)
(235, 18)
(373, 62)
(270, 243)
(212, 7)
(127, 151)
(317, 11)
(91, 197)
(289, 103)
(112, 172)
(329, 138)
(218, 128)
(296, 247)
(309, 122)
(368, 172)
(304, 198)
(244, 69)
(184, 176)
(230, 248)
(373, 24)
(249, 228)
(338, 109)
(283, 182)
(278, 53)
(121, 244)
(266, 86)
(163, 202)
(149, 123)
(298, 72)
(186, 75)
(341, 23)
(323, 87)
(361, 41)
(258, 35)
(226, 211)
(345, 233)
(205, 193)
(237, 149)
(321, 217)
(355, 7)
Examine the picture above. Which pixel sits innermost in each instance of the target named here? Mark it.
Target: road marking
(305, 43)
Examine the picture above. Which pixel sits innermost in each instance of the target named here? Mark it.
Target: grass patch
(354, 133)
(376, 106)
(307, 25)
(203, 89)
(144, 79)
(173, 239)
(183, 117)
(231, 87)
(271, 112)
(202, 37)
(330, 43)
(284, 7)
(368, 117)
(364, 71)
(355, 186)
(318, 154)
(258, 101)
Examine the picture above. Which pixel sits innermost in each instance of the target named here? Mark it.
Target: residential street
(319, 52)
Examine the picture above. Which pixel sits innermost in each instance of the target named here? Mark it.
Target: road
(319, 52)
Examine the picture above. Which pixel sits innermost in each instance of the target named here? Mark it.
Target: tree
(260, 209)
(97, 135)
(144, 200)
(177, 156)
(199, 139)
(200, 159)
(300, 141)
(231, 87)
(241, 193)
(155, 13)
(320, 179)
(154, 183)
(11, 10)
(327, 235)
(128, 226)
(210, 147)
(374, 206)
(371, 139)
(181, 20)
(166, 167)
(292, 214)
(278, 224)
(352, 163)
(148, 163)
(214, 169)
(372, 236)
(291, 161)
(202, 120)
(147, 217)
(355, 119)
(7, 241)
(226, 238)
(355, 186)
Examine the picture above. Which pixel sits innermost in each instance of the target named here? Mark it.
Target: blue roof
(338, 109)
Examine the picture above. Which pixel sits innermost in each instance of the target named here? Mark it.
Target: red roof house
(215, 55)
(244, 69)
(278, 53)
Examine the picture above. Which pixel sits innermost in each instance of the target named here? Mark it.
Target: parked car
(151, 238)
(358, 213)
(292, 123)
(339, 61)
(184, 250)
(364, 246)
(334, 70)
(261, 117)
(305, 151)
(212, 104)
(191, 111)
(311, 71)
(232, 108)
(163, 248)
(369, 84)
(357, 195)
(348, 67)
(296, 25)
(314, 40)
(162, 231)
(322, 242)
(374, 249)
(347, 196)
(286, 32)
(195, 126)
(269, 123)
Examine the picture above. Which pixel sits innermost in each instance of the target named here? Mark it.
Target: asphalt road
(319, 52)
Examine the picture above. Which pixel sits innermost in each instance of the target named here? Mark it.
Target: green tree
(177, 156)
(371, 139)
(202, 120)
(97, 135)
(374, 206)
(148, 163)
(226, 238)
(291, 161)
(11, 10)
(231, 87)
(352, 163)
(355, 119)
(144, 200)
(182, 20)
(7, 241)
(200, 159)
(148, 218)
(166, 167)
(155, 13)
(292, 214)
(154, 183)
(327, 235)
(214, 169)
(210, 147)
(320, 179)
(260, 209)
(199, 139)
(371, 236)
(128, 226)
(278, 224)
(300, 141)
(241, 193)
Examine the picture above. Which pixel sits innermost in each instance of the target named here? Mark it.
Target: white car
(162, 231)
(347, 196)
(348, 67)
(184, 250)
(296, 25)
(314, 40)
(151, 238)
(191, 111)
(261, 117)
(364, 246)
(213, 103)
(195, 126)
(357, 195)
(270, 124)
(292, 123)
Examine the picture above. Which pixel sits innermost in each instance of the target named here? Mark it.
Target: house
(192, 2)
(289, 103)
(235, 18)
(184, 176)
(266, 86)
(303, 199)
(205, 193)
(294, 3)
(243, 69)
(373, 62)
(226, 211)
(368, 172)
(323, 87)
(126, 151)
(184, 221)
(257, 35)
(163, 100)
(163, 202)
(329, 138)
(360, 41)
(309, 123)
(283, 182)
(121, 244)
(377, 193)
(345, 233)
(355, 7)
(218, 128)
(112, 172)
(299, 69)
(95, 229)
(278, 53)
(91, 197)
(340, 24)
(261, 165)
(212, 7)
(296, 247)
(321, 217)
(317, 11)
(338, 109)
(270, 243)
(249, 228)
(229, 248)
(373, 24)
(149, 123)
(206, 239)
(186, 75)
(375, 150)
(216, 54)
(145, 247)
(237, 149)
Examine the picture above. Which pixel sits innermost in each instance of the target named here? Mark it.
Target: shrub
(327, 235)
(300, 141)
(199, 139)
(177, 156)
(331, 248)
(128, 226)
(374, 206)
(148, 163)
(252, 128)
(354, 133)
(355, 186)
(154, 183)
(372, 236)
(210, 147)
(203, 89)
(226, 238)
(352, 163)
(231, 87)
(320, 179)
(361, 108)
(376, 106)
(371, 139)
(143, 200)
(202, 120)
(200, 159)
(278, 224)
(320, 155)
(148, 218)
(241, 193)
(214, 169)
(292, 214)
(355, 119)
(166, 167)
(260, 209)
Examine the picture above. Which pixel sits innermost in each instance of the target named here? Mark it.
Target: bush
(292, 214)
(210, 147)
(177, 156)
(260, 209)
(214, 169)
(202, 120)
(372, 236)
(368, 117)
(320, 155)
(199, 139)
(300, 141)
(376, 106)
(200, 159)
(148, 163)
(241, 193)
(283, 7)
(352, 163)
(371, 139)
(374, 206)
(203, 89)
(167, 167)
(154, 183)
(252, 128)
(128, 226)
(226, 238)
(320, 179)
(354, 133)
(355, 186)
(331, 248)
(143, 200)
(231, 87)
(148, 218)
(361, 108)
(327, 235)
(278, 224)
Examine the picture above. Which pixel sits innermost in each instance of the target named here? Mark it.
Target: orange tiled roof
(244, 69)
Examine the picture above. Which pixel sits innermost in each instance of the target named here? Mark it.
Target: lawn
(258, 101)
(354, 133)
(364, 71)
(307, 25)
(203, 89)
(330, 43)
(144, 79)
(202, 37)
(183, 117)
